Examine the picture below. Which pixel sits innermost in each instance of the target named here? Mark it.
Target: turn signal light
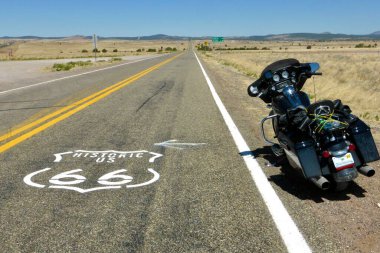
(325, 154)
(351, 147)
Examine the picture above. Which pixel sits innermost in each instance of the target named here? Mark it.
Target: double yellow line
(71, 109)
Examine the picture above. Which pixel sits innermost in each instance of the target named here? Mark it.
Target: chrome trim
(262, 128)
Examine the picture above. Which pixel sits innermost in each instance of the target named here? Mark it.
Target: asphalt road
(99, 175)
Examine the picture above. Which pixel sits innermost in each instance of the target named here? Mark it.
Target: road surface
(137, 158)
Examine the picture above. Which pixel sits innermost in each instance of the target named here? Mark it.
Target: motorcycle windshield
(292, 96)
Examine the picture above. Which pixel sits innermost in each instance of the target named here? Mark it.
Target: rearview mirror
(314, 66)
(268, 74)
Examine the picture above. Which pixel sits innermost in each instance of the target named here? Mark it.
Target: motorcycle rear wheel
(341, 186)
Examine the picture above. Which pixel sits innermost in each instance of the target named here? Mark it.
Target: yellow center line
(81, 104)
(66, 108)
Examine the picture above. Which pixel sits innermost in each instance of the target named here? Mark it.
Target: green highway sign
(217, 39)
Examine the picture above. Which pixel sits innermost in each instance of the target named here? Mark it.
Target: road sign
(94, 40)
(217, 39)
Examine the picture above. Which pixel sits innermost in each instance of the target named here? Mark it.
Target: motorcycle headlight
(254, 90)
(276, 78)
(285, 74)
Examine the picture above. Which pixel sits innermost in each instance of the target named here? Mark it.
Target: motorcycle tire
(341, 186)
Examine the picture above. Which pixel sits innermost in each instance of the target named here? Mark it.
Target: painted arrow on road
(177, 145)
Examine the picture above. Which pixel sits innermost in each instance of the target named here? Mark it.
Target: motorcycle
(322, 139)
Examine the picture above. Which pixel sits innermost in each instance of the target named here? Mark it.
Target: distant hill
(315, 36)
(77, 37)
(271, 37)
(30, 37)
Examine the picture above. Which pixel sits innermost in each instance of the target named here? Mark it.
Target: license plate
(343, 162)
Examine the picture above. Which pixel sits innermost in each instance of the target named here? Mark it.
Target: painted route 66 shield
(86, 171)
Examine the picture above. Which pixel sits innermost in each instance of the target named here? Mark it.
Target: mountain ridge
(269, 37)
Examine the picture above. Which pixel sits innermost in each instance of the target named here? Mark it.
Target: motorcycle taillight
(325, 154)
(351, 147)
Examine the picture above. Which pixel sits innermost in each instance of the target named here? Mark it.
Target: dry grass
(56, 49)
(351, 74)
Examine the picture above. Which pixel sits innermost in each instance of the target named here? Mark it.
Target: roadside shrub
(84, 51)
(241, 48)
(115, 50)
(361, 45)
(202, 47)
(116, 59)
(151, 50)
(95, 50)
(62, 66)
(138, 50)
(104, 50)
(308, 47)
(70, 65)
(168, 49)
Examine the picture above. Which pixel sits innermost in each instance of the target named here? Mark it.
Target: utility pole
(94, 40)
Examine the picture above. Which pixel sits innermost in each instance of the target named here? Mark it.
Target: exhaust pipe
(367, 171)
(321, 182)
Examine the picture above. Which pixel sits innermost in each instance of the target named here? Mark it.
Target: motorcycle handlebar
(310, 74)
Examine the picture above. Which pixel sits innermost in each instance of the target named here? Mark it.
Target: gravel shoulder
(15, 74)
(331, 222)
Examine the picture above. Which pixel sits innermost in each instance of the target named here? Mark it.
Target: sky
(186, 18)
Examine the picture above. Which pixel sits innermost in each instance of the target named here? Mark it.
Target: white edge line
(81, 74)
(292, 237)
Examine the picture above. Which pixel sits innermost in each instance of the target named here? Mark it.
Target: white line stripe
(67, 77)
(289, 232)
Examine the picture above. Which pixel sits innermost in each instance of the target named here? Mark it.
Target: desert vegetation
(350, 73)
(70, 65)
(82, 64)
(80, 48)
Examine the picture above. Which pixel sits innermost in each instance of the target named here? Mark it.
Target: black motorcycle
(322, 139)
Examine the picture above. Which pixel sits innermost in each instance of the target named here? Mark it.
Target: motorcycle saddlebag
(307, 156)
(365, 144)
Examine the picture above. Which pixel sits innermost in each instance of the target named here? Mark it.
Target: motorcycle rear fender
(328, 168)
